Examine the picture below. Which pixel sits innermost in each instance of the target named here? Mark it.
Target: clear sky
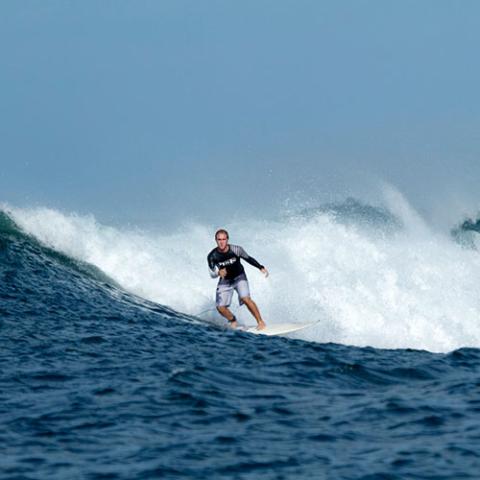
(157, 111)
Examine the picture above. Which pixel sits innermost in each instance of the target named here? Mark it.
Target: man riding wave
(224, 262)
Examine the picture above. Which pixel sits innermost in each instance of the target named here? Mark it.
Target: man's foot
(261, 325)
(233, 322)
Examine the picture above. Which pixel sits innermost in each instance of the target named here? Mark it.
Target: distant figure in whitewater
(224, 262)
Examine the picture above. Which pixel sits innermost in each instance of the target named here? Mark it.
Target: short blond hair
(221, 230)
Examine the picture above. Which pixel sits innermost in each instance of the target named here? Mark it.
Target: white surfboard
(280, 329)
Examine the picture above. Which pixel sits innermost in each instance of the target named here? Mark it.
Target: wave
(44, 284)
(353, 212)
(466, 233)
(374, 276)
(9, 229)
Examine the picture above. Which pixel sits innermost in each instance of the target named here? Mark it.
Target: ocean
(115, 366)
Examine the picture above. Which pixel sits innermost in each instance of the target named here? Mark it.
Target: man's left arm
(243, 254)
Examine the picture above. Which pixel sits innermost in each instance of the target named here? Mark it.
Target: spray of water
(414, 288)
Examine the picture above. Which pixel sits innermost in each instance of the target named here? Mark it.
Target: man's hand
(265, 272)
(222, 272)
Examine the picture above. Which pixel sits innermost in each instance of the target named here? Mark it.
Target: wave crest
(414, 288)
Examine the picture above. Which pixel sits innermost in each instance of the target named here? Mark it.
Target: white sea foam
(413, 289)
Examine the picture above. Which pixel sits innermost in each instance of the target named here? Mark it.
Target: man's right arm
(212, 268)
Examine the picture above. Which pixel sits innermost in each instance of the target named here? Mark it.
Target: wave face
(373, 276)
(99, 383)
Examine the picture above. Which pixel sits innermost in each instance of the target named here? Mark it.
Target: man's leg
(225, 312)
(223, 300)
(252, 307)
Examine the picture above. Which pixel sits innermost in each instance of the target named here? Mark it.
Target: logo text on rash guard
(230, 261)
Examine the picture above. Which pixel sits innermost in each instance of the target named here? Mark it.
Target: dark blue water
(98, 384)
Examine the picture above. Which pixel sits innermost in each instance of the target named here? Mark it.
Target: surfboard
(280, 329)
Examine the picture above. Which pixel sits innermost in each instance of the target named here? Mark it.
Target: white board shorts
(225, 290)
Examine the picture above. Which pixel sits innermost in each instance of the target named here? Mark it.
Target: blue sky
(160, 111)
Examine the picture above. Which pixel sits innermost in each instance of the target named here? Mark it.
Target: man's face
(222, 241)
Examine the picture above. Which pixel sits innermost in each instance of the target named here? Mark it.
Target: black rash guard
(231, 261)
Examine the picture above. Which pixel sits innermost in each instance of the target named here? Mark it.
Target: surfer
(224, 262)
